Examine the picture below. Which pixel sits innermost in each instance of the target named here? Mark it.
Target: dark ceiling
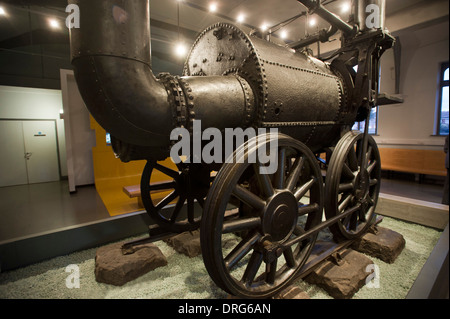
(31, 53)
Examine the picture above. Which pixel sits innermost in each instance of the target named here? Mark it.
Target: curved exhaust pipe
(231, 80)
(110, 53)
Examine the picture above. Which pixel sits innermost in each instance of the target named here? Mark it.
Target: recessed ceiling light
(213, 7)
(345, 7)
(180, 50)
(283, 34)
(264, 27)
(240, 18)
(312, 22)
(2, 11)
(54, 23)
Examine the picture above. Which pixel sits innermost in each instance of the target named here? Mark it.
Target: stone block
(292, 292)
(114, 268)
(187, 243)
(381, 243)
(341, 279)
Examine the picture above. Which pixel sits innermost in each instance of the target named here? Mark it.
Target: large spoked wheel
(352, 185)
(189, 184)
(253, 222)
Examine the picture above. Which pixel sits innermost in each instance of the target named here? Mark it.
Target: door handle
(28, 155)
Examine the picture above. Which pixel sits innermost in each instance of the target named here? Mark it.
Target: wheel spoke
(369, 153)
(162, 186)
(166, 170)
(353, 220)
(252, 268)
(279, 175)
(343, 205)
(271, 271)
(362, 215)
(352, 159)
(307, 209)
(264, 182)
(295, 173)
(190, 207)
(248, 197)
(241, 250)
(347, 173)
(167, 200)
(289, 256)
(236, 225)
(200, 201)
(372, 166)
(177, 208)
(304, 189)
(345, 187)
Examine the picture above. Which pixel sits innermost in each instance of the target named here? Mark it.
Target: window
(373, 122)
(442, 110)
(359, 126)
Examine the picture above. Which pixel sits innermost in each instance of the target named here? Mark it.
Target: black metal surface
(272, 211)
(187, 185)
(233, 80)
(294, 92)
(352, 185)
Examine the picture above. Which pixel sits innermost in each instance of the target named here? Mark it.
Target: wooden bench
(423, 162)
(134, 191)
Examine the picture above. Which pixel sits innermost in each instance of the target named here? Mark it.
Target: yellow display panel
(114, 179)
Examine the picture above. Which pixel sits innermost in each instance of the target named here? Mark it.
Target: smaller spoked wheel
(352, 185)
(165, 201)
(254, 230)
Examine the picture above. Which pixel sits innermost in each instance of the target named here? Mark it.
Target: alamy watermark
(211, 146)
(73, 280)
(373, 280)
(373, 19)
(73, 19)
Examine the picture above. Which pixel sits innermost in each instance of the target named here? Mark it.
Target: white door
(41, 151)
(13, 166)
(29, 152)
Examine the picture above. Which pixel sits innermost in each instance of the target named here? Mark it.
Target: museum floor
(32, 209)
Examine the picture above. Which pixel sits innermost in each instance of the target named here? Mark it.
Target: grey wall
(412, 123)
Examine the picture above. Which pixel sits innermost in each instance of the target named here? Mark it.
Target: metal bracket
(373, 229)
(156, 233)
(337, 258)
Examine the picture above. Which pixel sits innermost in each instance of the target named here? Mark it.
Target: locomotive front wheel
(189, 184)
(352, 183)
(246, 250)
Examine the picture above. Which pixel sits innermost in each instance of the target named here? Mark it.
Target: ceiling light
(2, 11)
(213, 7)
(264, 27)
(240, 18)
(345, 7)
(54, 23)
(312, 22)
(180, 50)
(283, 34)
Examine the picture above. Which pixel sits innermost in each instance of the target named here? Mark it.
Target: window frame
(358, 125)
(441, 83)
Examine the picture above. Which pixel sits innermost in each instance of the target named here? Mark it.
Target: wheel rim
(189, 185)
(352, 184)
(257, 264)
